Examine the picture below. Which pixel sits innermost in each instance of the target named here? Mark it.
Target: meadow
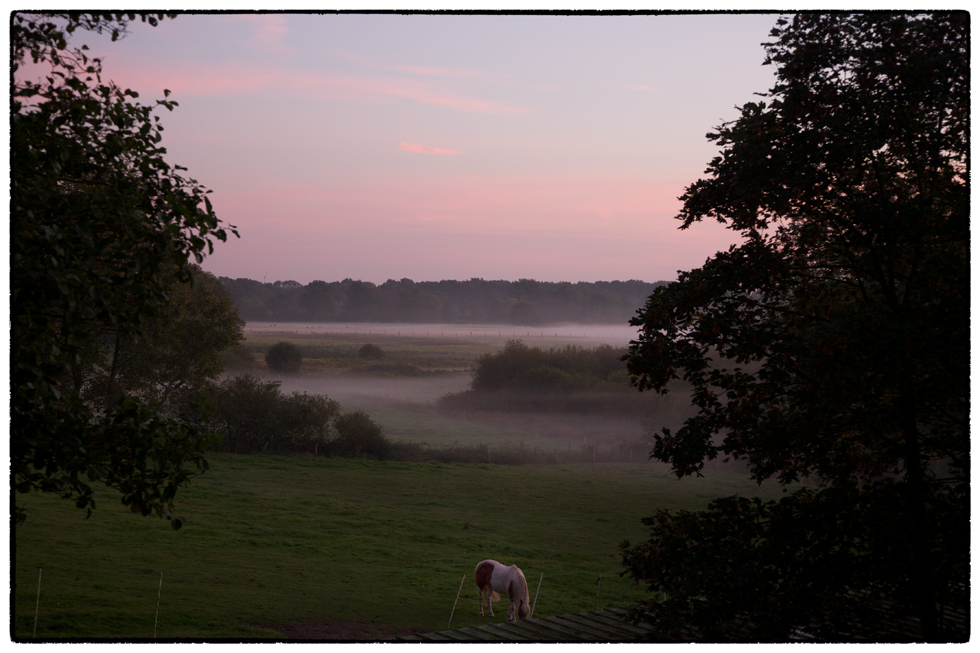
(291, 547)
(280, 547)
(423, 363)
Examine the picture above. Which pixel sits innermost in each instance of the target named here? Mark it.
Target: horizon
(222, 276)
(449, 146)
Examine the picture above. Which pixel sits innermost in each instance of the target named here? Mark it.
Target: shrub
(567, 369)
(253, 415)
(371, 352)
(306, 421)
(358, 434)
(284, 357)
(245, 411)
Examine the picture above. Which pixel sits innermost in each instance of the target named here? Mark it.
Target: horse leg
(481, 600)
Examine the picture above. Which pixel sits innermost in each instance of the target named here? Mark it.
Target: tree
(100, 224)
(358, 434)
(284, 357)
(178, 350)
(253, 415)
(831, 346)
(371, 351)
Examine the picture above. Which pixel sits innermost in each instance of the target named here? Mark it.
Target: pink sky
(448, 147)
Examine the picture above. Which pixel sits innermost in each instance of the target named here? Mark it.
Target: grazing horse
(493, 577)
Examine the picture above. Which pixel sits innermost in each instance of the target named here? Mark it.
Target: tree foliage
(178, 350)
(284, 357)
(525, 302)
(359, 435)
(831, 346)
(100, 227)
(370, 351)
(252, 415)
(562, 369)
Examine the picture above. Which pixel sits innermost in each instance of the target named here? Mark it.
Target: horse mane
(521, 583)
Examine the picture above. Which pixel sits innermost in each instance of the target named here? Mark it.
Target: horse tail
(494, 596)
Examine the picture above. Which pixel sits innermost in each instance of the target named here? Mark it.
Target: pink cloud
(475, 204)
(267, 34)
(425, 149)
(239, 79)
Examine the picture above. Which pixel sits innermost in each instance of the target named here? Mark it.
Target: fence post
(37, 604)
(157, 615)
(533, 605)
(456, 601)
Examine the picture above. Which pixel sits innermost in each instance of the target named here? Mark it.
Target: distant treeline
(523, 302)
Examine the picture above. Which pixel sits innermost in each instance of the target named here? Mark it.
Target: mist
(409, 408)
(617, 335)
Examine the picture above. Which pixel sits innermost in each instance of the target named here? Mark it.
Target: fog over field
(542, 336)
(361, 390)
(408, 406)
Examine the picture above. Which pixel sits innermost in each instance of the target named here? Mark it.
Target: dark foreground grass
(287, 540)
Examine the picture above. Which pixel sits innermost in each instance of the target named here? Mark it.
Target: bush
(245, 413)
(252, 415)
(563, 370)
(284, 357)
(371, 352)
(358, 434)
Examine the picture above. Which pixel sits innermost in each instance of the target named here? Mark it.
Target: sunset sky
(448, 146)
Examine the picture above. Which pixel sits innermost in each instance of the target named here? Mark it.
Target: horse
(493, 577)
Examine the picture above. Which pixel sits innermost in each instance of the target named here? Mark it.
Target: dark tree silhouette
(284, 357)
(831, 346)
(371, 351)
(100, 227)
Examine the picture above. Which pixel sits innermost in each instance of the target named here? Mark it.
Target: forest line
(522, 302)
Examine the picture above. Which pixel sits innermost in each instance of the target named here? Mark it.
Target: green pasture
(276, 541)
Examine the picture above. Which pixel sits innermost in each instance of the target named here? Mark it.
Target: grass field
(290, 546)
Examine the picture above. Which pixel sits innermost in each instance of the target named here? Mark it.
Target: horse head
(523, 599)
(523, 608)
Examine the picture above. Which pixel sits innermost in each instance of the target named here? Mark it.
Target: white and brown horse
(493, 577)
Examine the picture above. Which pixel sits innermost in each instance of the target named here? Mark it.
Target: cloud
(239, 79)
(643, 87)
(268, 32)
(425, 149)
(459, 102)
